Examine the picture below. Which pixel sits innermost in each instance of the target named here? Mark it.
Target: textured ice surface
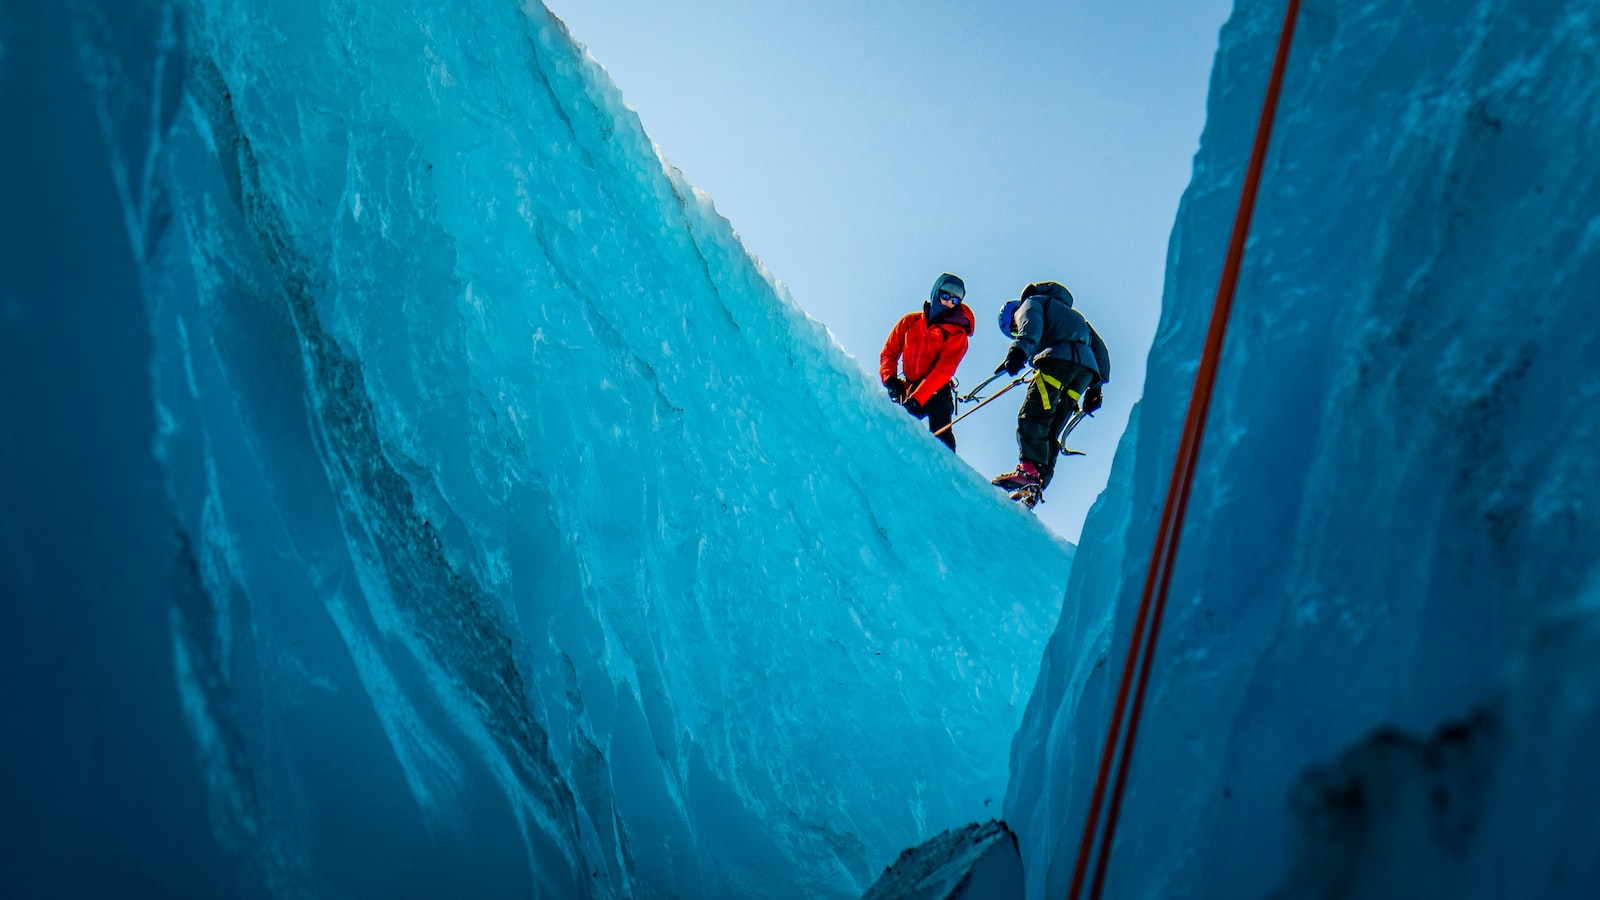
(411, 488)
(511, 532)
(978, 862)
(1398, 487)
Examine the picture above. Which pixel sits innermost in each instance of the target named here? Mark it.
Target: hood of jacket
(950, 284)
(1051, 289)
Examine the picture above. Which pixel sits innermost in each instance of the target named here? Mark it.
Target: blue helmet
(1008, 315)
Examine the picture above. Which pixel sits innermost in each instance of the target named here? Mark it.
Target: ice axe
(983, 404)
(1061, 439)
(973, 394)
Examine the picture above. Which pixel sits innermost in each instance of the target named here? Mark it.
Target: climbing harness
(1044, 395)
(1152, 604)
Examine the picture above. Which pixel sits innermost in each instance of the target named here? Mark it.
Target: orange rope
(1153, 602)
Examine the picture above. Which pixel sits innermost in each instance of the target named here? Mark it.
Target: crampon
(1029, 496)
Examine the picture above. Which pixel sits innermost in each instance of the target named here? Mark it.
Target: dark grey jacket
(1048, 326)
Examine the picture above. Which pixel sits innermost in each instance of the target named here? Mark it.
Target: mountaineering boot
(1025, 475)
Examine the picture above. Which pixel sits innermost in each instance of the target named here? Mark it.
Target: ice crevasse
(411, 487)
(506, 527)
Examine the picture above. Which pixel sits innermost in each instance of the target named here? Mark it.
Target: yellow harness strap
(1044, 395)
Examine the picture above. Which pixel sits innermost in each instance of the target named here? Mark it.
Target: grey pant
(1046, 408)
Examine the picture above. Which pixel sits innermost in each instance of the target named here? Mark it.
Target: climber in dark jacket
(1070, 364)
(928, 346)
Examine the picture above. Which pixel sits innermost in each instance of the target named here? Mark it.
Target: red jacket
(927, 353)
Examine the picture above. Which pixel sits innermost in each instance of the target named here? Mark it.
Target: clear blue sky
(861, 147)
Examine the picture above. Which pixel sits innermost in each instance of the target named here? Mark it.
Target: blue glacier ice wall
(413, 488)
(1378, 670)
(99, 791)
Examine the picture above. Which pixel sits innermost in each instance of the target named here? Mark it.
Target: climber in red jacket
(927, 346)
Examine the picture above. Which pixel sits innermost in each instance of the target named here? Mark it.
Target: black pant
(941, 408)
(1045, 411)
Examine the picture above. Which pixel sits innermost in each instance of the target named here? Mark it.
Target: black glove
(1092, 400)
(1015, 360)
(915, 408)
(896, 386)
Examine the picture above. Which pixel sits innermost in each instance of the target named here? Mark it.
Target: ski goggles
(946, 295)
